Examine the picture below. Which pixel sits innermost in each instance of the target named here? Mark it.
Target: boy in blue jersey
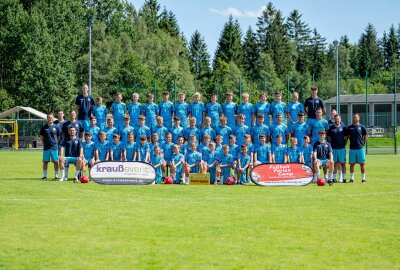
(197, 109)
(218, 144)
(100, 112)
(130, 148)
(225, 163)
(73, 151)
(300, 129)
(211, 162)
(208, 129)
(262, 153)
(250, 149)
(116, 149)
(181, 110)
(127, 128)
(142, 150)
(135, 109)
(50, 136)
(278, 107)
(322, 156)
(176, 165)
(192, 161)
(214, 111)
(142, 130)
(293, 109)
(263, 107)
(84, 105)
(176, 130)
(110, 130)
(278, 151)
(182, 148)
(247, 110)
(118, 109)
(150, 110)
(156, 160)
(241, 129)
(258, 129)
(72, 122)
(233, 147)
(166, 109)
(278, 128)
(337, 137)
(192, 130)
(242, 163)
(203, 146)
(229, 110)
(307, 151)
(294, 154)
(311, 105)
(101, 152)
(168, 149)
(318, 125)
(224, 130)
(89, 152)
(160, 129)
(94, 129)
(357, 134)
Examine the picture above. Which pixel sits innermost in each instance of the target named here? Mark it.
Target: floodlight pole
(395, 112)
(90, 55)
(336, 44)
(366, 106)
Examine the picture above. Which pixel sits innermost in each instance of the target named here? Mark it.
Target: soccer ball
(321, 182)
(168, 180)
(84, 179)
(230, 180)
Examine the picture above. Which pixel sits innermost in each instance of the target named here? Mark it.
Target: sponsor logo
(293, 174)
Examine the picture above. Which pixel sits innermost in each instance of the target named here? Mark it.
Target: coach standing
(50, 135)
(312, 104)
(84, 105)
(357, 134)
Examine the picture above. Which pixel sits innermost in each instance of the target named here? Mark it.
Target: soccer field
(62, 225)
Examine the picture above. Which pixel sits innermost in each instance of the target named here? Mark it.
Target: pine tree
(229, 44)
(390, 49)
(250, 55)
(263, 24)
(370, 56)
(318, 59)
(199, 57)
(149, 12)
(168, 22)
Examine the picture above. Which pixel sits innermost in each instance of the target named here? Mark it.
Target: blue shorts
(323, 161)
(50, 154)
(85, 124)
(339, 155)
(70, 160)
(357, 156)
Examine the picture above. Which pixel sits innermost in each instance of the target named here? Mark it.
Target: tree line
(44, 54)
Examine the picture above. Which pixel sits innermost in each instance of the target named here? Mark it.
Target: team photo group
(225, 140)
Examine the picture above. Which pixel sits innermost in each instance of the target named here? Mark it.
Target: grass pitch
(61, 225)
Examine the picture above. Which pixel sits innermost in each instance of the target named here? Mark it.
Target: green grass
(61, 225)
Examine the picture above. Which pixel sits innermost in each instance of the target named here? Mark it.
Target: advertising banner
(122, 173)
(281, 174)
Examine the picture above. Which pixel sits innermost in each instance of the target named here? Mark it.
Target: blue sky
(332, 19)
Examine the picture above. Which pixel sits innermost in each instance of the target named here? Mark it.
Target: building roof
(10, 112)
(372, 98)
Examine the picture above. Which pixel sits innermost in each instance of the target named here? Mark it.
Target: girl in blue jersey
(229, 110)
(214, 111)
(166, 109)
(247, 109)
(135, 109)
(156, 160)
(197, 109)
(176, 165)
(118, 109)
(100, 112)
(101, 152)
(130, 147)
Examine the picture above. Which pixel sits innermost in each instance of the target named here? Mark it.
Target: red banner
(282, 174)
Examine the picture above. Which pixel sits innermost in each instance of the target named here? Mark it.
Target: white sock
(173, 175)
(339, 173)
(66, 172)
(344, 176)
(44, 173)
(363, 176)
(62, 174)
(334, 176)
(56, 173)
(76, 173)
(352, 176)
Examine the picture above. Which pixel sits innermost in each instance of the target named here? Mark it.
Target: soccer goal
(9, 134)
